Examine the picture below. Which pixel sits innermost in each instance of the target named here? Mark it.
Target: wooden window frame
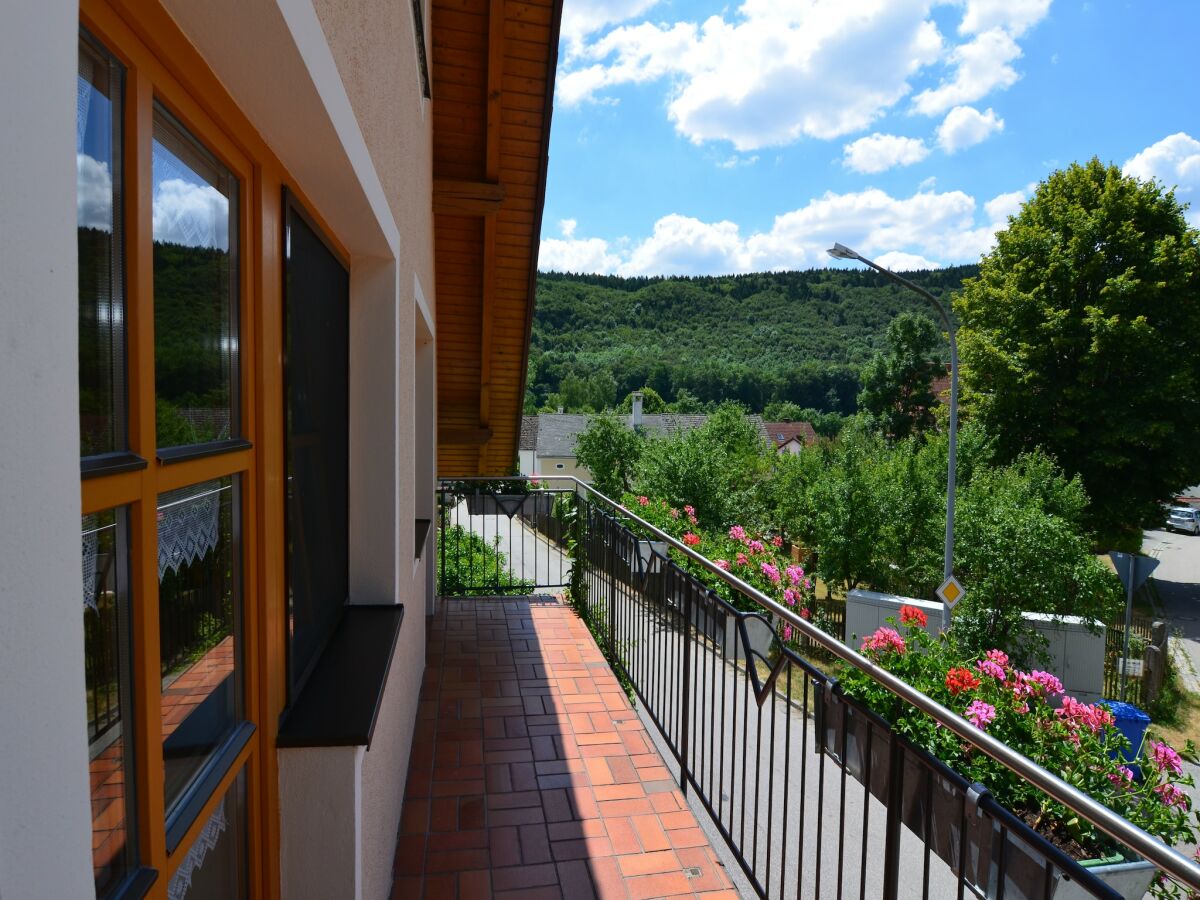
(162, 65)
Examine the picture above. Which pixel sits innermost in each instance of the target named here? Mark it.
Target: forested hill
(757, 339)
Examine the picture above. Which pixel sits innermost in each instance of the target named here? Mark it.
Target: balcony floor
(532, 776)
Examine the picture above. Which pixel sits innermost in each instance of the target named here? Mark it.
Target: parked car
(1184, 518)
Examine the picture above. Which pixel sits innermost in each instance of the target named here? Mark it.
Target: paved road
(1178, 580)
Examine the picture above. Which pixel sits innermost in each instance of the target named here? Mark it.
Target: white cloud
(583, 17)
(191, 214)
(771, 74)
(908, 233)
(898, 261)
(982, 65)
(93, 193)
(1000, 207)
(735, 161)
(567, 227)
(880, 152)
(965, 126)
(1175, 161)
(1014, 16)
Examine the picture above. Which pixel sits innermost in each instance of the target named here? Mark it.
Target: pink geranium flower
(723, 564)
(883, 640)
(644, 501)
(980, 714)
(738, 533)
(777, 541)
(742, 560)
(990, 667)
(771, 572)
(1173, 795)
(795, 575)
(1165, 758)
(999, 657)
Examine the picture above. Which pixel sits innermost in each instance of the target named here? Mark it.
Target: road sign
(951, 592)
(1132, 569)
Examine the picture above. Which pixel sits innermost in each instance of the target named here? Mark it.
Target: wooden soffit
(492, 86)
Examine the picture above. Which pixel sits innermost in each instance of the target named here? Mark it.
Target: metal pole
(1128, 626)
(952, 464)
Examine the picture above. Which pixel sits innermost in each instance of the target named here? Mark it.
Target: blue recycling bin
(1131, 722)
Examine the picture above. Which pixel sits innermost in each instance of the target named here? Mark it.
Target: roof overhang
(493, 66)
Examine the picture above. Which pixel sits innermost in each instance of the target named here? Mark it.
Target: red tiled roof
(781, 433)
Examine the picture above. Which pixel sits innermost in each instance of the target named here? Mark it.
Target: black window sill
(110, 464)
(180, 819)
(170, 455)
(339, 703)
(136, 886)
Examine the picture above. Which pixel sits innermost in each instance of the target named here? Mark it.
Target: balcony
(652, 739)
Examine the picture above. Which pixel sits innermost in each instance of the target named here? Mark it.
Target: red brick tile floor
(531, 774)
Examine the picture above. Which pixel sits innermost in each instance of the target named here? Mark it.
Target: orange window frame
(163, 66)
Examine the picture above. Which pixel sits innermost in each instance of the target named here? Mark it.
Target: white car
(1184, 518)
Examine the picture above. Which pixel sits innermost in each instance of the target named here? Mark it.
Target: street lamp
(838, 251)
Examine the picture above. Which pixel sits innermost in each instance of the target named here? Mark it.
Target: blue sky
(699, 138)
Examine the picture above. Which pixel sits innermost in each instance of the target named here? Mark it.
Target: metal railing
(814, 794)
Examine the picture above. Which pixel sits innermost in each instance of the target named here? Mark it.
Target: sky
(695, 138)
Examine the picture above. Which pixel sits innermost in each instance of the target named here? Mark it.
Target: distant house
(548, 439)
(790, 437)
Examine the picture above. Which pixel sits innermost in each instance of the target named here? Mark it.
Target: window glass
(195, 209)
(214, 867)
(106, 670)
(318, 347)
(101, 275)
(199, 610)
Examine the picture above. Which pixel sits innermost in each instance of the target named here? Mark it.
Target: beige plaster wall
(549, 465)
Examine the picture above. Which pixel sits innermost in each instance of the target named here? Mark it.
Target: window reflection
(214, 867)
(101, 275)
(195, 289)
(199, 624)
(106, 670)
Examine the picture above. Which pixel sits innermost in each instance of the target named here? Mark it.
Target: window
(167, 642)
(195, 290)
(317, 361)
(106, 671)
(98, 199)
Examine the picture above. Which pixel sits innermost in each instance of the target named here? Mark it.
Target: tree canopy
(898, 382)
(1080, 336)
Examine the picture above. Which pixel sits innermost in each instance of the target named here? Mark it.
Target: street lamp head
(840, 251)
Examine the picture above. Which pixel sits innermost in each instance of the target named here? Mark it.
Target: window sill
(110, 464)
(339, 703)
(422, 532)
(171, 455)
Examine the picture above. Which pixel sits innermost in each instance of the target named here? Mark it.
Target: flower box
(536, 504)
(653, 555)
(861, 743)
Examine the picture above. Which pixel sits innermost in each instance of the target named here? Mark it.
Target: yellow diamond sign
(951, 591)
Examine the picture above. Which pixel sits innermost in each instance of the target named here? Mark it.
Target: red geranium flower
(691, 539)
(910, 615)
(959, 680)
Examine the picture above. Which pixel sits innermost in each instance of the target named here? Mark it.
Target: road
(1178, 581)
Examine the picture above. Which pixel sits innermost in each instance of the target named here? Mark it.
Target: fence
(1114, 649)
(814, 795)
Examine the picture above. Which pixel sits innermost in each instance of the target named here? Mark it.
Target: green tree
(897, 382)
(610, 451)
(1080, 336)
(652, 401)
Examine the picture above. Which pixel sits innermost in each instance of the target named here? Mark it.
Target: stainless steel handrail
(1146, 845)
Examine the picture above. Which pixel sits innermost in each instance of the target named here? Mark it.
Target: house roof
(781, 433)
(557, 432)
(492, 67)
(529, 433)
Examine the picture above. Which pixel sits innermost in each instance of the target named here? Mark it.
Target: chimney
(635, 417)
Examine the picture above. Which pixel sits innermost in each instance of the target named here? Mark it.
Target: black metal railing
(501, 538)
(814, 795)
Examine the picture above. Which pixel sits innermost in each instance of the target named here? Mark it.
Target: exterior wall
(320, 805)
(45, 814)
(525, 462)
(549, 465)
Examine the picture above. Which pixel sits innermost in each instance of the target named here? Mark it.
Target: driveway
(1178, 581)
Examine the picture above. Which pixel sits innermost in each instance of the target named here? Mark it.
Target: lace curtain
(189, 525)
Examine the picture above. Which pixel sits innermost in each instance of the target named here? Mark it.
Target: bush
(467, 565)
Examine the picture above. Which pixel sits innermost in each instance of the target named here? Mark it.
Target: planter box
(535, 504)
(759, 630)
(653, 555)
(936, 817)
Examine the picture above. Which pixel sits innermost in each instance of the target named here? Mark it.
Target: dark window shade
(317, 335)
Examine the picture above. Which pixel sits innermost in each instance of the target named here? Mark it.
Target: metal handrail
(1146, 845)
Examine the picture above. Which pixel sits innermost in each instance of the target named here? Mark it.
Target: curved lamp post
(838, 251)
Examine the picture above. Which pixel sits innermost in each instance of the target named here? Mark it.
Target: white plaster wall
(45, 821)
(320, 812)
(385, 766)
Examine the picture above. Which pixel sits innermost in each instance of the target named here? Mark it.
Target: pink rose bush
(1029, 711)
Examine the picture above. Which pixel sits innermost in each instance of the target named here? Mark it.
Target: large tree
(897, 384)
(1081, 336)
